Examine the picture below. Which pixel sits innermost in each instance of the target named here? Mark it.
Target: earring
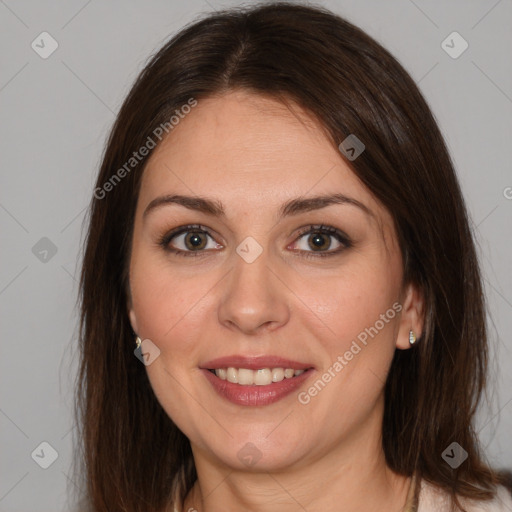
(412, 337)
(138, 341)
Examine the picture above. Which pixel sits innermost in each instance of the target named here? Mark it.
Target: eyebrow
(293, 207)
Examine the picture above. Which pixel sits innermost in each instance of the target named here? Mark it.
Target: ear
(131, 313)
(133, 320)
(412, 315)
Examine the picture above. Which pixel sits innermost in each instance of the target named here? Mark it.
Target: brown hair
(134, 457)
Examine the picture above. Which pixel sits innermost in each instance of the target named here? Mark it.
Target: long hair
(134, 457)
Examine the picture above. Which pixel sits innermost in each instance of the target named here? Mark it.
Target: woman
(281, 301)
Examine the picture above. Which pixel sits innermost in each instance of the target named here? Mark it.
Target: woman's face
(256, 288)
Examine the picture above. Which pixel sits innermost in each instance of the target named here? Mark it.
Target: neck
(353, 476)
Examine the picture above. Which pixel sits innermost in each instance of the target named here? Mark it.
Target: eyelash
(328, 230)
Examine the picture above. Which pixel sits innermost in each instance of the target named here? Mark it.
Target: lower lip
(255, 395)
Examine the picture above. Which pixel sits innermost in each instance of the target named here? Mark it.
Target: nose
(254, 297)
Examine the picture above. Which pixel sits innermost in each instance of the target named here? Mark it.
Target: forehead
(251, 151)
(244, 133)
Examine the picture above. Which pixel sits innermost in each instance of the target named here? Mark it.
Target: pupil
(195, 240)
(318, 241)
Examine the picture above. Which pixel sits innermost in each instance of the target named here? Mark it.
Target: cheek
(171, 311)
(167, 306)
(356, 318)
(349, 304)
(162, 299)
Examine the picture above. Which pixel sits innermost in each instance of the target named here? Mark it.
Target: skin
(252, 154)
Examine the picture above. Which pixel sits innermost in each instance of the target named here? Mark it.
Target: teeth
(277, 374)
(221, 373)
(288, 373)
(245, 377)
(232, 375)
(261, 377)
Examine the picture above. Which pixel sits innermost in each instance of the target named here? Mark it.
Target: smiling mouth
(260, 377)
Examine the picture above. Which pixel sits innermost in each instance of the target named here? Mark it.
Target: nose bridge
(253, 296)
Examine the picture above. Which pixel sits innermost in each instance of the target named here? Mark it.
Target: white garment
(433, 499)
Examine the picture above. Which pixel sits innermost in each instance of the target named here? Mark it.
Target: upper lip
(254, 363)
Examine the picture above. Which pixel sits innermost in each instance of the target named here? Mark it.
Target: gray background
(55, 116)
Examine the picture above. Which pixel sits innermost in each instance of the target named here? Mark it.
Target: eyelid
(331, 231)
(342, 238)
(165, 240)
(323, 228)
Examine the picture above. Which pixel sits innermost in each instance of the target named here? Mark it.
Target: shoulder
(432, 499)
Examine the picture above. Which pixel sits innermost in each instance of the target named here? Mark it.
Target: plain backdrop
(56, 113)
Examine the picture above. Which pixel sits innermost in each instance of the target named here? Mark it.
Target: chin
(261, 453)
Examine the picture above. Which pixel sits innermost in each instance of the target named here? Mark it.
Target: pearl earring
(412, 337)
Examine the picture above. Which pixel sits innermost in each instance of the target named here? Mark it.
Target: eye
(319, 240)
(191, 240)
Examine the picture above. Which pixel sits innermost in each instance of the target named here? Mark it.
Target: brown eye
(195, 240)
(319, 239)
(188, 241)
